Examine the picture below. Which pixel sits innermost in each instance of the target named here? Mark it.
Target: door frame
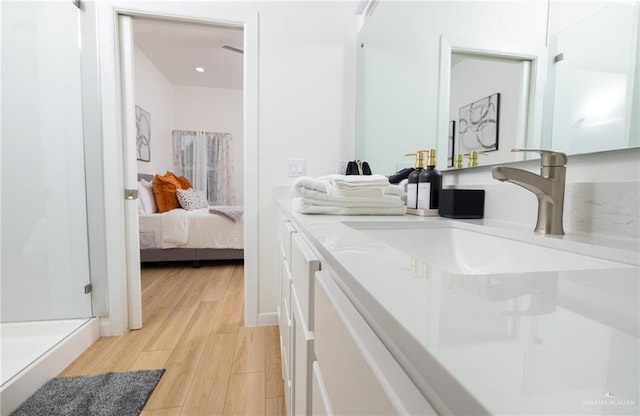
(115, 182)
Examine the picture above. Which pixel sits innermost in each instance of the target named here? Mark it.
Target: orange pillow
(184, 182)
(164, 192)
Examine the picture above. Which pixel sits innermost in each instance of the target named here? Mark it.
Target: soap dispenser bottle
(429, 185)
(412, 186)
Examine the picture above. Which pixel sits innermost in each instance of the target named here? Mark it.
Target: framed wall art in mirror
(143, 135)
(479, 125)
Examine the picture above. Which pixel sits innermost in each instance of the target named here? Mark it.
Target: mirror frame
(534, 127)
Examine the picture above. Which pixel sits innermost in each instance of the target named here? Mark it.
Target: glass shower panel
(45, 263)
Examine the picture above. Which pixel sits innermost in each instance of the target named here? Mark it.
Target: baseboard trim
(268, 319)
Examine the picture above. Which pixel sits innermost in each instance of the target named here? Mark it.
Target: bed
(197, 235)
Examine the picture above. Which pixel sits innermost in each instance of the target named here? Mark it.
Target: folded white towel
(365, 186)
(355, 181)
(394, 190)
(308, 183)
(366, 192)
(348, 180)
(302, 206)
(318, 198)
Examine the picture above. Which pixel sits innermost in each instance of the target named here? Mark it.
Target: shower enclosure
(45, 280)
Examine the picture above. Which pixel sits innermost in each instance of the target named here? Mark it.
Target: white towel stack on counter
(347, 195)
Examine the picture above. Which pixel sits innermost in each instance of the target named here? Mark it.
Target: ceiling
(176, 49)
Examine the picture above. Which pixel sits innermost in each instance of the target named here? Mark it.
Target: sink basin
(457, 250)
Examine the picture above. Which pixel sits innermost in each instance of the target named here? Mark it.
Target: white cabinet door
(285, 353)
(360, 375)
(304, 264)
(320, 404)
(302, 347)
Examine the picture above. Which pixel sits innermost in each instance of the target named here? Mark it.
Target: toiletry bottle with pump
(412, 186)
(429, 185)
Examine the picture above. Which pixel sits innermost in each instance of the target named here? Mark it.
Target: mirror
(488, 102)
(405, 55)
(593, 93)
(488, 106)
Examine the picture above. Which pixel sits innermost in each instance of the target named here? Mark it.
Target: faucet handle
(548, 158)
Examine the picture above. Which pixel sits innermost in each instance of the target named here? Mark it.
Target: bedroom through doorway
(188, 94)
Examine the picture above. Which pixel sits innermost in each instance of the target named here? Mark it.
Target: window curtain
(219, 169)
(206, 160)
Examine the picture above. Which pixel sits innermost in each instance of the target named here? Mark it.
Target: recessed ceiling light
(199, 69)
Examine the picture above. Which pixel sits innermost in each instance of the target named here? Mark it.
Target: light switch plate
(341, 168)
(296, 167)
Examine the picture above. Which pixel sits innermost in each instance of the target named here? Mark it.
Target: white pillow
(146, 200)
(191, 199)
(140, 206)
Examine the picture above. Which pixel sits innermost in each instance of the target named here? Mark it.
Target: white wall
(154, 94)
(307, 101)
(214, 110)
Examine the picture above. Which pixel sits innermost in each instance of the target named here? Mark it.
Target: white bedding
(190, 229)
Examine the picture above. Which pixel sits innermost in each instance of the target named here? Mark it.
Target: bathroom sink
(457, 250)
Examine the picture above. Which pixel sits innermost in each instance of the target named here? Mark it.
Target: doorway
(207, 17)
(188, 91)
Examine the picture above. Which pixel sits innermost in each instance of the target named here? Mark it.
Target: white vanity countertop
(551, 342)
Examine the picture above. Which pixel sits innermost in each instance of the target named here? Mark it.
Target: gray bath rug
(110, 394)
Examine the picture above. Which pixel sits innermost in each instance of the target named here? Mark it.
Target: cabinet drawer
(320, 404)
(285, 283)
(360, 375)
(304, 264)
(285, 230)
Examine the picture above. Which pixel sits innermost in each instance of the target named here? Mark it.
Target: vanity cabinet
(285, 232)
(332, 361)
(298, 265)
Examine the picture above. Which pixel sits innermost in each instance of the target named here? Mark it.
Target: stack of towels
(347, 195)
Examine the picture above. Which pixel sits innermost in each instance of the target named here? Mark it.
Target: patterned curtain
(219, 169)
(206, 160)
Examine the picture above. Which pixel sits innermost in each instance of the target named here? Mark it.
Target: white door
(132, 244)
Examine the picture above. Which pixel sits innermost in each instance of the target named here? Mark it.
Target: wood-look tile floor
(193, 327)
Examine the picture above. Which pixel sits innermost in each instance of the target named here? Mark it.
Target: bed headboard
(147, 177)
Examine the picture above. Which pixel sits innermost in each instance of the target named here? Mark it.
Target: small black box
(462, 203)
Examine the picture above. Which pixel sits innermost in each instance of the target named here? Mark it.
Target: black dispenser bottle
(412, 186)
(429, 185)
